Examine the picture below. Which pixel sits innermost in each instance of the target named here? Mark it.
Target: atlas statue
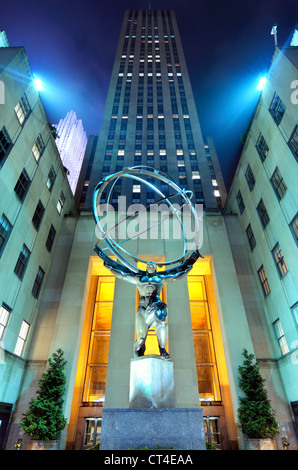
(151, 312)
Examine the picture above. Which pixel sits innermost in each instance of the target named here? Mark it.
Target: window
(263, 213)
(22, 185)
(250, 237)
(240, 202)
(92, 432)
(264, 280)
(5, 229)
(294, 309)
(22, 109)
(60, 202)
(38, 282)
(5, 145)
(51, 179)
(277, 109)
(38, 148)
(23, 335)
(38, 215)
(293, 142)
(278, 184)
(280, 337)
(262, 147)
(250, 178)
(4, 316)
(51, 238)
(22, 262)
(279, 260)
(294, 228)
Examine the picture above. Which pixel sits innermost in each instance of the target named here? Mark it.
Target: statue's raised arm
(119, 270)
(180, 271)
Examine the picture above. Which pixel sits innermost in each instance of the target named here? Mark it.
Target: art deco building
(71, 143)
(264, 195)
(35, 196)
(217, 310)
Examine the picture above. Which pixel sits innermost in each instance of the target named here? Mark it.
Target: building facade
(71, 143)
(264, 194)
(217, 310)
(35, 195)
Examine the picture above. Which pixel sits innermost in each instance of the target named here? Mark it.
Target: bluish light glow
(38, 84)
(262, 83)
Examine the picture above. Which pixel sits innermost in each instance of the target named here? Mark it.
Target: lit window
(38, 148)
(216, 193)
(280, 337)
(278, 184)
(22, 185)
(136, 188)
(294, 228)
(4, 316)
(5, 229)
(38, 215)
(262, 147)
(22, 262)
(294, 309)
(22, 109)
(38, 282)
(240, 202)
(23, 335)
(279, 260)
(5, 145)
(214, 183)
(250, 237)
(263, 214)
(60, 203)
(196, 175)
(264, 280)
(250, 177)
(293, 143)
(51, 238)
(277, 109)
(51, 178)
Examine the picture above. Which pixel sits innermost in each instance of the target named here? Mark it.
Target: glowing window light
(262, 83)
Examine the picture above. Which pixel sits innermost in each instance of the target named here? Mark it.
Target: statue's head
(151, 268)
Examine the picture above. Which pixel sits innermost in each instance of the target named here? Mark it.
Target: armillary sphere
(140, 173)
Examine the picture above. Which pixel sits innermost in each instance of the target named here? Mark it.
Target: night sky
(71, 46)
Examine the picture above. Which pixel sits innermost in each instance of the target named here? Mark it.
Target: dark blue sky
(71, 46)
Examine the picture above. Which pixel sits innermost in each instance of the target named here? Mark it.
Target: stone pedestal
(151, 383)
(176, 428)
(151, 421)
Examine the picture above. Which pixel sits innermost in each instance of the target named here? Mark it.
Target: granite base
(174, 428)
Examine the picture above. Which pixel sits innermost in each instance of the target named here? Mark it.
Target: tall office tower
(35, 196)
(150, 116)
(71, 143)
(264, 194)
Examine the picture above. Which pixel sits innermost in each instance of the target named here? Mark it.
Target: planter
(42, 445)
(261, 444)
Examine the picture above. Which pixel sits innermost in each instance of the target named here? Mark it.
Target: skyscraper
(150, 115)
(71, 143)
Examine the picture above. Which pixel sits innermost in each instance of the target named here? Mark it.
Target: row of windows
(277, 110)
(5, 313)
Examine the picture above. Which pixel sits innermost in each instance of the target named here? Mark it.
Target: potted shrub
(44, 420)
(256, 417)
